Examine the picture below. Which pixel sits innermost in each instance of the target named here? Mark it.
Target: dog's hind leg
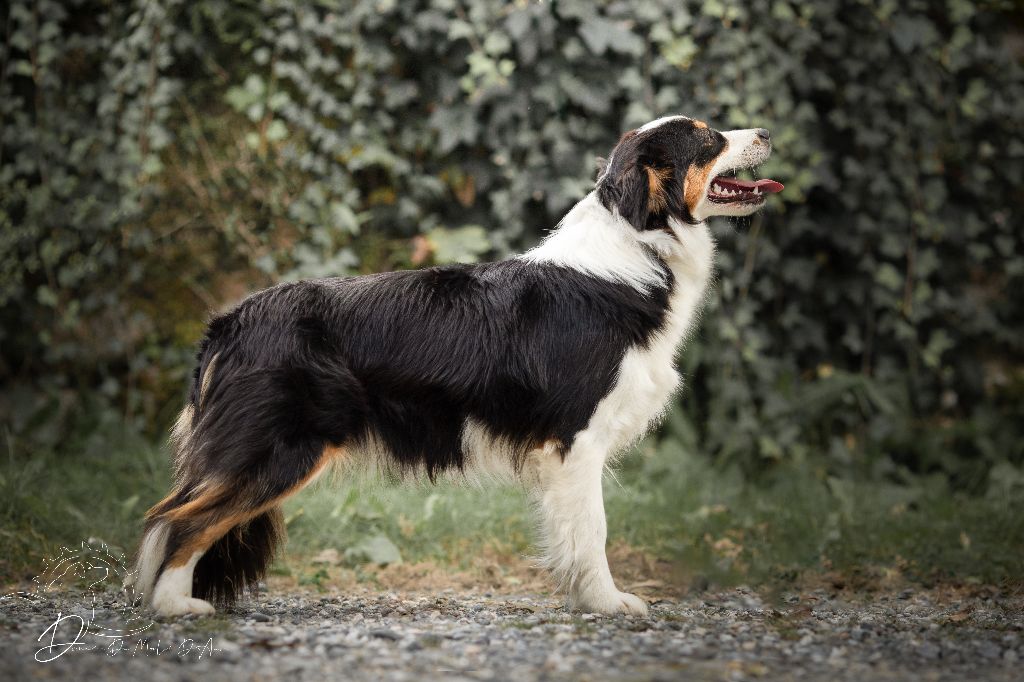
(252, 438)
(217, 539)
(574, 529)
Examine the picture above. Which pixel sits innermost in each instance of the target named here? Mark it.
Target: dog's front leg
(574, 530)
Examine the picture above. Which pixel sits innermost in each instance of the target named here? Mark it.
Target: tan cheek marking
(656, 199)
(699, 124)
(693, 187)
(696, 180)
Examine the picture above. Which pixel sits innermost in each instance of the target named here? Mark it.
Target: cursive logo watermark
(90, 589)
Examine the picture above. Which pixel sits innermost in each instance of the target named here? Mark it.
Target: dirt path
(372, 635)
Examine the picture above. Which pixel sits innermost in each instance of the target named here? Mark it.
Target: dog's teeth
(757, 190)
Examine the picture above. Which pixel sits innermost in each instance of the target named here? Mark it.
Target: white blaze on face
(744, 149)
(661, 121)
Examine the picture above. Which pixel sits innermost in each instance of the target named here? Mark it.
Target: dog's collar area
(724, 190)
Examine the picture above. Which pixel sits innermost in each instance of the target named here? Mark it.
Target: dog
(540, 368)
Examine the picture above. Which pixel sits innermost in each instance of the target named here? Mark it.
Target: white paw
(178, 605)
(630, 603)
(611, 604)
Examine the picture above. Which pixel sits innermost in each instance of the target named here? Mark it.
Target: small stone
(989, 650)
(384, 633)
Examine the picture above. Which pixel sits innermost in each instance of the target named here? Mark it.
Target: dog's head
(678, 167)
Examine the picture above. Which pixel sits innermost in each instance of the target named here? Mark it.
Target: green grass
(798, 520)
(706, 522)
(96, 490)
(440, 522)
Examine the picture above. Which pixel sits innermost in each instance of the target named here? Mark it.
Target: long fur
(538, 368)
(237, 561)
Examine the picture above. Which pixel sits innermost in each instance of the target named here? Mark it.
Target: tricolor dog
(539, 368)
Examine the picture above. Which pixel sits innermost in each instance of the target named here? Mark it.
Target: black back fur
(406, 357)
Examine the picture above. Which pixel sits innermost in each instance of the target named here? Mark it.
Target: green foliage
(367, 521)
(158, 160)
(96, 488)
(705, 520)
(799, 520)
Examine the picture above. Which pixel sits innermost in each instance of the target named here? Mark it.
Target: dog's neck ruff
(600, 243)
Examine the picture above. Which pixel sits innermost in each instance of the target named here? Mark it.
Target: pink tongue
(766, 186)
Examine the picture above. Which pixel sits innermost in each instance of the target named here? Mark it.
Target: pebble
(735, 634)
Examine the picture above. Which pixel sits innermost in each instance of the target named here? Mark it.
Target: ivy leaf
(600, 34)
(460, 245)
(377, 549)
(277, 130)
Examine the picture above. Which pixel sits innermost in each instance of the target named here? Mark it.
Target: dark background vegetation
(159, 160)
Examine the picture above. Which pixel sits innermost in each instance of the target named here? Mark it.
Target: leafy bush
(160, 159)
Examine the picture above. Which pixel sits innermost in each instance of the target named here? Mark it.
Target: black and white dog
(539, 368)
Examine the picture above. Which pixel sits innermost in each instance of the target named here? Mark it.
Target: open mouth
(725, 190)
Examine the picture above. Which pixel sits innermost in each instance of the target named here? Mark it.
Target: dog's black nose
(764, 134)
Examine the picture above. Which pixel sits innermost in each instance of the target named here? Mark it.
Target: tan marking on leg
(164, 505)
(209, 495)
(202, 541)
(220, 525)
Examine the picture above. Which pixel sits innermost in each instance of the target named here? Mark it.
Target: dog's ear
(633, 187)
(638, 183)
(601, 165)
(645, 194)
(658, 180)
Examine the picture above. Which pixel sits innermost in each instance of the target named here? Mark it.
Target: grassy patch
(798, 521)
(95, 490)
(701, 525)
(446, 522)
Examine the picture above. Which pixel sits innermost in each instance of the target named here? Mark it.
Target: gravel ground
(730, 635)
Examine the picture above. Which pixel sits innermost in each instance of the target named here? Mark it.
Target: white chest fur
(648, 376)
(602, 244)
